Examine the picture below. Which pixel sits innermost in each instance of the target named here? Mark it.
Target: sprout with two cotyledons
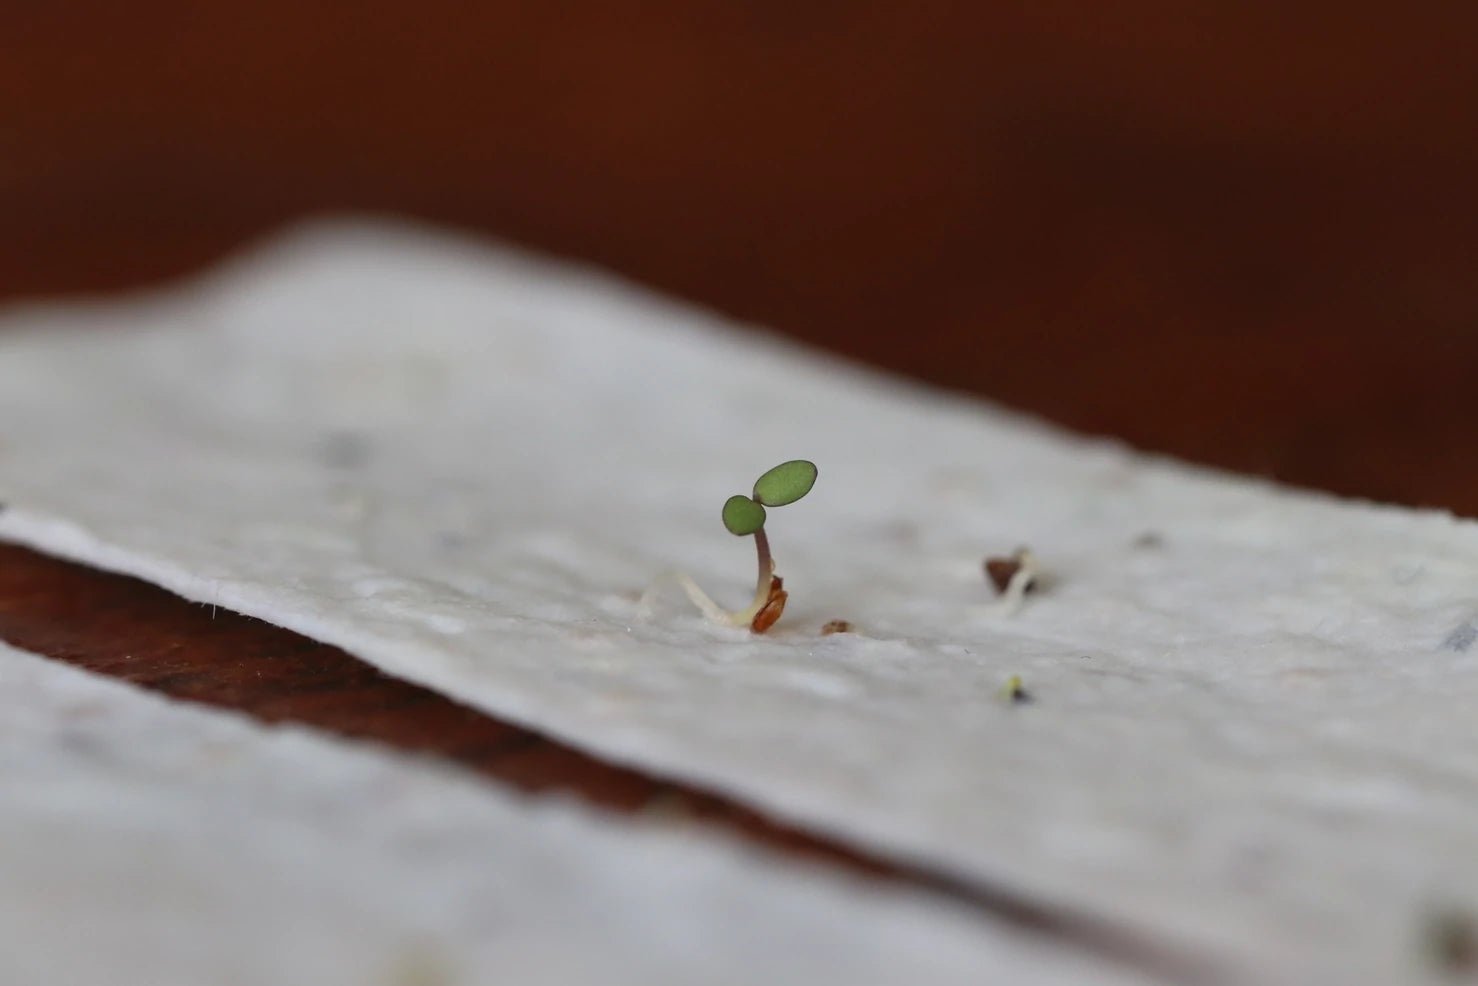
(744, 516)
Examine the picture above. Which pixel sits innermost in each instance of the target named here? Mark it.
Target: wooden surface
(1243, 234)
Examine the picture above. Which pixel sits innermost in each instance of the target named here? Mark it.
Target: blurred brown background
(1242, 233)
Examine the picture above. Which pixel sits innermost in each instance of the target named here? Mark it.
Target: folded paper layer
(150, 844)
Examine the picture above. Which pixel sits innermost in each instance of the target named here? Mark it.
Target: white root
(1026, 574)
(705, 603)
(702, 600)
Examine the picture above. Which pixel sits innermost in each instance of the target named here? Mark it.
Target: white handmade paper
(1254, 730)
(144, 843)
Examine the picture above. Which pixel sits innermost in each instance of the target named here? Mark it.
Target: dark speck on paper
(451, 540)
(1462, 638)
(344, 450)
(1452, 941)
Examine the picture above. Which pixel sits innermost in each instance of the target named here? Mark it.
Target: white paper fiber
(144, 843)
(1253, 736)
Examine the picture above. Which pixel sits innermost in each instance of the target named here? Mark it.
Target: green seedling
(744, 516)
(1014, 691)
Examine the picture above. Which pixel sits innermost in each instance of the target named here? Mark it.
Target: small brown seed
(836, 626)
(1000, 571)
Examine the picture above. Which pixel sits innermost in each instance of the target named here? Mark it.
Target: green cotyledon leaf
(786, 483)
(742, 515)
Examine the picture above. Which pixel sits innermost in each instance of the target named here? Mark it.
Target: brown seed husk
(1001, 571)
(773, 607)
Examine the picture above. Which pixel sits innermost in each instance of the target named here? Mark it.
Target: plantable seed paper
(1251, 731)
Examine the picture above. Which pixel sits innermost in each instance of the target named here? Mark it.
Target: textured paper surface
(150, 844)
(1254, 730)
